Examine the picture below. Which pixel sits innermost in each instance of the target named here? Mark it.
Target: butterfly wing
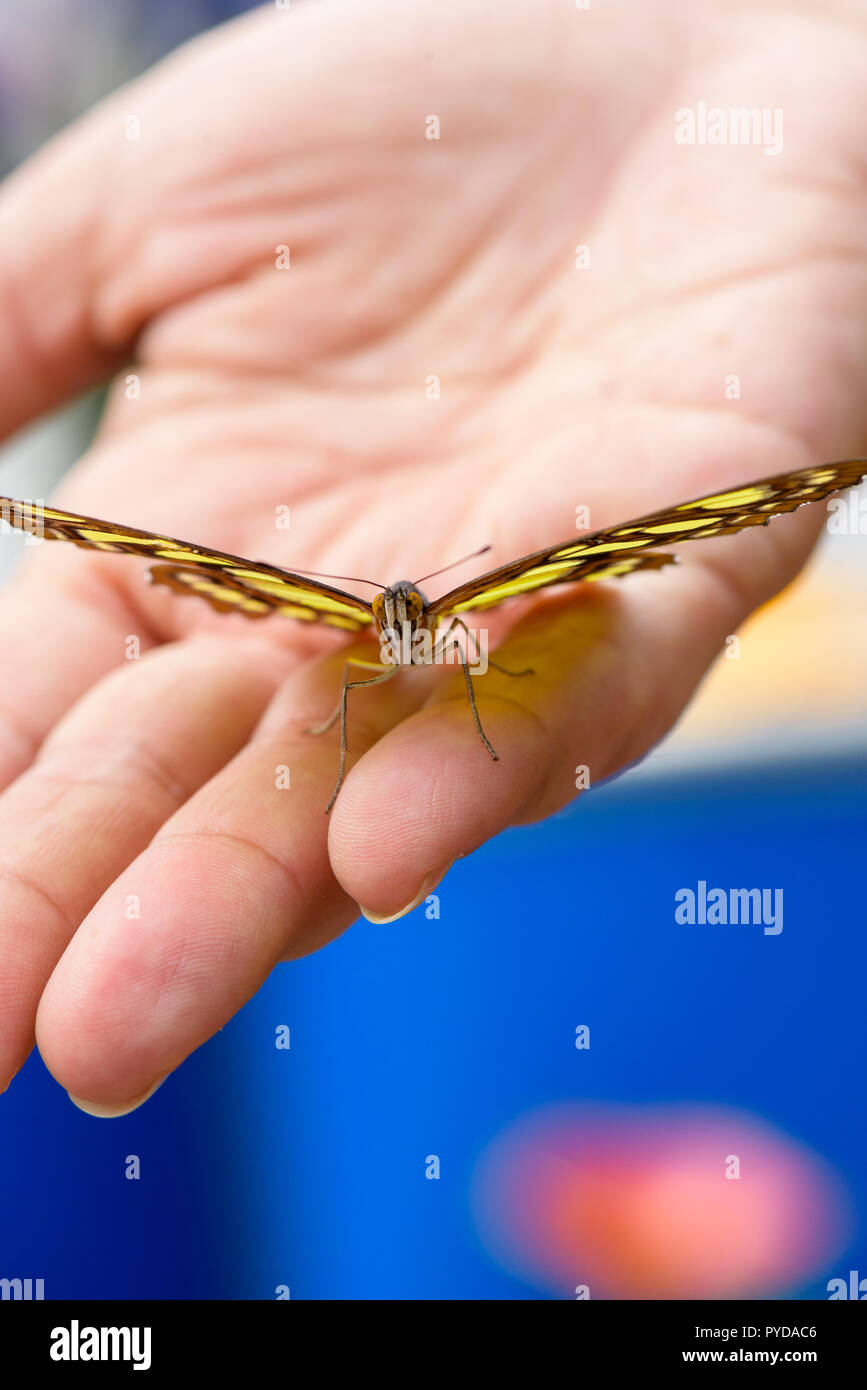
(619, 550)
(228, 582)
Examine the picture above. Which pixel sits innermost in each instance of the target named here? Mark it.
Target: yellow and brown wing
(631, 546)
(228, 582)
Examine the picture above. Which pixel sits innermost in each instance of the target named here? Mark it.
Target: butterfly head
(400, 610)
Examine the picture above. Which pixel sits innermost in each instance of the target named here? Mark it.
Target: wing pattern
(232, 584)
(611, 552)
(228, 582)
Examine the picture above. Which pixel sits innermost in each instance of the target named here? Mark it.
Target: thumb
(49, 214)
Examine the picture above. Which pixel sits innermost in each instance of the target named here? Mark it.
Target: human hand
(152, 782)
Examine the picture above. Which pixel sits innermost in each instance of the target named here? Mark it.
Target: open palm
(432, 371)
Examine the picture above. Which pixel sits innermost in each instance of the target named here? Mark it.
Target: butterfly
(413, 630)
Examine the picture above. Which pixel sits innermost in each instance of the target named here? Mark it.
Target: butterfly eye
(378, 607)
(414, 605)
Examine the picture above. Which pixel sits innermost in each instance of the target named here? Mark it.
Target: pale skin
(154, 779)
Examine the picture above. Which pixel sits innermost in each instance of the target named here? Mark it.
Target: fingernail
(429, 883)
(117, 1108)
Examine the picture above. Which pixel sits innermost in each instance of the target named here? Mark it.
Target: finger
(613, 667)
(110, 775)
(236, 880)
(57, 639)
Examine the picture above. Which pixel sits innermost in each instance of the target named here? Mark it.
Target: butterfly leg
(527, 671)
(333, 718)
(471, 693)
(340, 711)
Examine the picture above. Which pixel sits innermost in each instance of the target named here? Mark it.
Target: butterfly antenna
(342, 578)
(433, 575)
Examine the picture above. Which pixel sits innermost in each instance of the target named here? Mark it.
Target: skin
(560, 388)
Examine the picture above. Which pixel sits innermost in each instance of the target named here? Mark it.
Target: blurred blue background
(263, 1167)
